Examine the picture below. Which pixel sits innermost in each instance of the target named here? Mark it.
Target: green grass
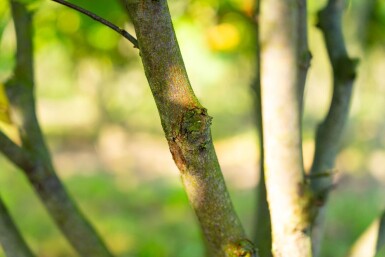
(153, 217)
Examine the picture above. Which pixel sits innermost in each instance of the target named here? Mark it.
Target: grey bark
(330, 131)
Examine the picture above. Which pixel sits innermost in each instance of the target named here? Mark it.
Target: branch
(10, 237)
(15, 153)
(105, 22)
(329, 132)
(37, 165)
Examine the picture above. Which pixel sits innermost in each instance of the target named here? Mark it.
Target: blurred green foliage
(89, 80)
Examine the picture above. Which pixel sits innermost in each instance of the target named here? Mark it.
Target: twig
(105, 22)
(10, 238)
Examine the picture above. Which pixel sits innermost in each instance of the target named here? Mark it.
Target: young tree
(293, 198)
(185, 122)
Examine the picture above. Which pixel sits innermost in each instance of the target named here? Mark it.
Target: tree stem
(10, 237)
(34, 157)
(282, 85)
(263, 223)
(329, 132)
(187, 128)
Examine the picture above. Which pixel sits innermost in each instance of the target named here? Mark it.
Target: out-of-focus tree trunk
(33, 156)
(284, 61)
(262, 229)
(10, 237)
(330, 131)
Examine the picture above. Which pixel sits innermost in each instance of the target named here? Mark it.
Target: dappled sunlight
(78, 112)
(122, 154)
(68, 21)
(223, 37)
(350, 160)
(376, 165)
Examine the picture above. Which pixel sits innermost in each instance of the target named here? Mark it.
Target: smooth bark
(10, 238)
(330, 131)
(186, 125)
(282, 84)
(33, 156)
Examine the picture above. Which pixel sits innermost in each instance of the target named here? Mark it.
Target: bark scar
(195, 128)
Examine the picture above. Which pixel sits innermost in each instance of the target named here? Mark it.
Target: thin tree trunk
(33, 157)
(186, 125)
(330, 131)
(263, 223)
(10, 237)
(283, 79)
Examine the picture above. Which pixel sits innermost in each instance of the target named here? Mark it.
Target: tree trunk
(282, 86)
(186, 125)
(263, 223)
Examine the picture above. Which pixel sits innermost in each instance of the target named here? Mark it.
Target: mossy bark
(186, 125)
(282, 84)
(33, 156)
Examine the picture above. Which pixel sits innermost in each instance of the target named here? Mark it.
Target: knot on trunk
(192, 134)
(195, 129)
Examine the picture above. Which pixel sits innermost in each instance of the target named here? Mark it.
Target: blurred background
(104, 132)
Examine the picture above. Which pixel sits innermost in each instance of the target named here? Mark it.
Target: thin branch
(105, 22)
(263, 222)
(37, 164)
(330, 131)
(11, 240)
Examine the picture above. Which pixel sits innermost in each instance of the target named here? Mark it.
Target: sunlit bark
(282, 83)
(186, 125)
